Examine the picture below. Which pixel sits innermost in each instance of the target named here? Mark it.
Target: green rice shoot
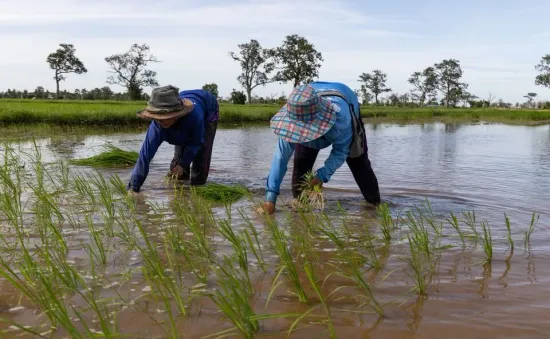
(221, 193)
(112, 156)
(311, 196)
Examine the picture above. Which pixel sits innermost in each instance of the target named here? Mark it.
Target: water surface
(493, 169)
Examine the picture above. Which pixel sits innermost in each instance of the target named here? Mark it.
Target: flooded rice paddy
(460, 247)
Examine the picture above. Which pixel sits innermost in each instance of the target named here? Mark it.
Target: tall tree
(256, 65)
(212, 88)
(425, 84)
(129, 70)
(531, 98)
(297, 60)
(449, 74)
(64, 61)
(543, 79)
(375, 82)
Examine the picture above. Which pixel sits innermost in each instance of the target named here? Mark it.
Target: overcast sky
(498, 42)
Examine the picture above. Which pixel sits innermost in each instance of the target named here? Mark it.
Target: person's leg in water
(364, 176)
(201, 164)
(304, 159)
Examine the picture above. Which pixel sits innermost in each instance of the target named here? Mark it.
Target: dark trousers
(201, 164)
(304, 158)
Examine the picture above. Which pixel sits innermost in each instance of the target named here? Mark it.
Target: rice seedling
(255, 246)
(112, 156)
(239, 246)
(454, 222)
(221, 193)
(310, 196)
(527, 234)
(487, 241)
(509, 229)
(232, 298)
(308, 268)
(388, 225)
(287, 267)
(420, 275)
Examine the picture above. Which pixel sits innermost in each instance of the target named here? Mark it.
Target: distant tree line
(296, 61)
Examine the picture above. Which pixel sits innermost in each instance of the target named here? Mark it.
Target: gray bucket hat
(165, 103)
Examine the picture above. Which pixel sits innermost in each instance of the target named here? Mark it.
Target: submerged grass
(112, 156)
(221, 193)
(192, 250)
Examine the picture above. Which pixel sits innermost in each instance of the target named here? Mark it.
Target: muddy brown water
(490, 168)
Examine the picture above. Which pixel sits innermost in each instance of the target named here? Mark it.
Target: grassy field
(102, 113)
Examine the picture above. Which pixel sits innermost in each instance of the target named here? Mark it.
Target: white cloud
(193, 43)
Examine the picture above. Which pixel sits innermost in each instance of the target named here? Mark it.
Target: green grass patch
(221, 193)
(112, 156)
(123, 113)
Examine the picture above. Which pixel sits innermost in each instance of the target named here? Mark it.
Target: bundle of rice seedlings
(311, 196)
(221, 193)
(112, 156)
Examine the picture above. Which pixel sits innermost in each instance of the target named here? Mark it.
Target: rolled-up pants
(360, 167)
(197, 173)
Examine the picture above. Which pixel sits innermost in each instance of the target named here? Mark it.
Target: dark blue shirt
(188, 131)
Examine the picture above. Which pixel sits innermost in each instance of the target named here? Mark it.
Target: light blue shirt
(339, 136)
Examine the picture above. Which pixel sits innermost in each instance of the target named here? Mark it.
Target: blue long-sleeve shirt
(188, 131)
(339, 136)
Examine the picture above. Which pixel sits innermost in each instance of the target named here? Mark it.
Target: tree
(297, 60)
(238, 97)
(425, 84)
(530, 98)
(128, 70)
(375, 82)
(64, 61)
(448, 74)
(212, 88)
(543, 79)
(256, 65)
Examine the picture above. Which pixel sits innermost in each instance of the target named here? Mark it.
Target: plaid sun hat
(306, 116)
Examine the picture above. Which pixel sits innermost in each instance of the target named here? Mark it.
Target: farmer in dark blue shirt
(188, 120)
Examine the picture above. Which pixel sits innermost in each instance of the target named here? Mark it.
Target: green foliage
(375, 82)
(543, 79)
(425, 84)
(238, 97)
(448, 74)
(256, 64)
(297, 60)
(128, 70)
(212, 88)
(221, 193)
(64, 61)
(112, 156)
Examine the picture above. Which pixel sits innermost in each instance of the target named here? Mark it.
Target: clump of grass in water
(221, 193)
(311, 196)
(112, 156)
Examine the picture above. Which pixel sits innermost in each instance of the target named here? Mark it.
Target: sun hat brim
(296, 131)
(157, 113)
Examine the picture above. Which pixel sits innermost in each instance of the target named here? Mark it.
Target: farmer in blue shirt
(188, 120)
(306, 124)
